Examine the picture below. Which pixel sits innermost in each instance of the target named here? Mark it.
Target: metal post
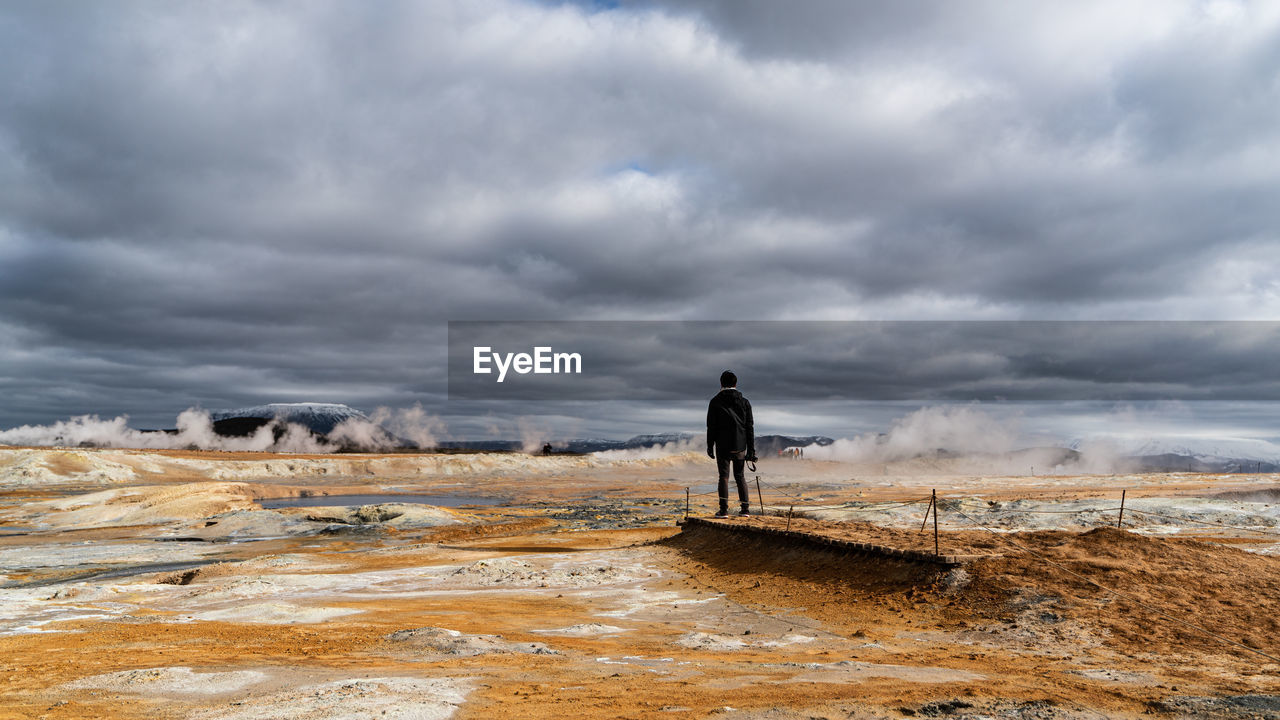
(793, 507)
(686, 503)
(1120, 522)
(935, 523)
(759, 495)
(925, 522)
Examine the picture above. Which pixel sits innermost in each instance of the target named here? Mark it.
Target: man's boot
(746, 511)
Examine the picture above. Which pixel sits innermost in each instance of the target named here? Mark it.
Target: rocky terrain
(156, 584)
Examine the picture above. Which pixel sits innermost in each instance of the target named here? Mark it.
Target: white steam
(413, 424)
(964, 439)
(1101, 455)
(195, 430)
(956, 429)
(361, 433)
(386, 429)
(696, 444)
(532, 436)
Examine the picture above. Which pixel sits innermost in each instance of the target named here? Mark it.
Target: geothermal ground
(251, 586)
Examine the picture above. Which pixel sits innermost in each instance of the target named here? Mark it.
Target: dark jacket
(730, 427)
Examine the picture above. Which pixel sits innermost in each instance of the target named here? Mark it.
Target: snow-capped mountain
(320, 418)
(1197, 447)
(1217, 454)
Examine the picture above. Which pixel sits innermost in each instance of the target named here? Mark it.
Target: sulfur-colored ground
(579, 597)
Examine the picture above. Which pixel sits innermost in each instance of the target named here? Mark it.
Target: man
(731, 440)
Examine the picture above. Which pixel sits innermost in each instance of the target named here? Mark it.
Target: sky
(219, 205)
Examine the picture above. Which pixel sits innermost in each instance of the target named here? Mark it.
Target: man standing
(731, 439)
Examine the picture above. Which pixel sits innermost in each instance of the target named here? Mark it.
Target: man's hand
(751, 457)
(711, 452)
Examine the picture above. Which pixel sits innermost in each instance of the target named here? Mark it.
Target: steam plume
(696, 445)
(955, 428)
(195, 430)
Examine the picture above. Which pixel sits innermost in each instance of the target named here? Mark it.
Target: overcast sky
(222, 204)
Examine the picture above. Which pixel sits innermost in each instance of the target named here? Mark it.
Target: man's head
(728, 379)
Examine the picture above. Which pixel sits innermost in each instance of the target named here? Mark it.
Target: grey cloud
(815, 29)
(254, 202)
(885, 362)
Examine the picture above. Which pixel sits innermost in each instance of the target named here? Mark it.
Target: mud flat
(157, 585)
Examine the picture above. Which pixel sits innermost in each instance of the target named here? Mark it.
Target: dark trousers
(739, 477)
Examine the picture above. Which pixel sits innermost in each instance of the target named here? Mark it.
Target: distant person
(731, 440)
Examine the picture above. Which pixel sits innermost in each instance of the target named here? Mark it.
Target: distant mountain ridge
(1186, 454)
(1238, 448)
(322, 418)
(319, 418)
(765, 444)
(1137, 454)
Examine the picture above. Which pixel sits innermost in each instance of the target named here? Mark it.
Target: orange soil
(909, 610)
(1163, 586)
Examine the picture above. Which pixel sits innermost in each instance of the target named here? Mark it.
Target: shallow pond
(355, 500)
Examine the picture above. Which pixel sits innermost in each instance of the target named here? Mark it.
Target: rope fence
(861, 508)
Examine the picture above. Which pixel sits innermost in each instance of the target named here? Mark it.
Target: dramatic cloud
(247, 202)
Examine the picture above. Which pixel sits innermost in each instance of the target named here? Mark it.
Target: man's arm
(711, 446)
(751, 429)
